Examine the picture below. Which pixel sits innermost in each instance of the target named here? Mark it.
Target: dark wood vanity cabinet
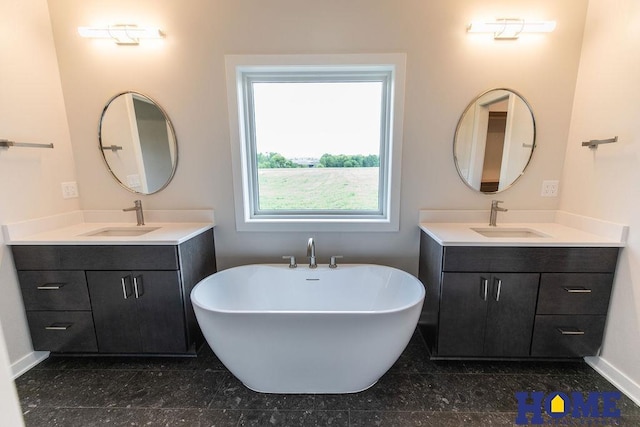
(514, 302)
(114, 299)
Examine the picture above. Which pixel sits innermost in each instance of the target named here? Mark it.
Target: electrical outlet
(550, 188)
(69, 190)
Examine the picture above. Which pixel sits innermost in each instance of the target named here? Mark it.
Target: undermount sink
(509, 232)
(121, 231)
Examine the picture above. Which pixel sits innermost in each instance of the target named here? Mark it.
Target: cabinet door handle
(51, 286)
(484, 288)
(498, 288)
(578, 290)
(137, 286)
(123, 282)
(58, 327)
(570, 331)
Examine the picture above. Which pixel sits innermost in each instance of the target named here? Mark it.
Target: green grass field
(319, 188)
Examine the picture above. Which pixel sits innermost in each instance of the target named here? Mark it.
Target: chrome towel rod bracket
(595, 142)
(113, 148)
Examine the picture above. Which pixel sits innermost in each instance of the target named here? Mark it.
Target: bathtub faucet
(311, 253)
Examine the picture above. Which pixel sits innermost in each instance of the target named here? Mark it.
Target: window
(316, 141)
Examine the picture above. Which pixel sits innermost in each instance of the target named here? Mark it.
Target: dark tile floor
(67, 391)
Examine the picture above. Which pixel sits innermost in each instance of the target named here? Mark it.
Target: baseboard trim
(615, 377)
(27, 362)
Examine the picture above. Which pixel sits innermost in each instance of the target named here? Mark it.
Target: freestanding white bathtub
(282, 330)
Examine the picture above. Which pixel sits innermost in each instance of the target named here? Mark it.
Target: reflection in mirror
(138, 143)
(494, 140)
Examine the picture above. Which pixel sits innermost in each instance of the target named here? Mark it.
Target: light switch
(69, 190)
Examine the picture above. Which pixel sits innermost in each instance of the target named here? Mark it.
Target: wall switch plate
(550, 188)
(69, 190)
(133, 180)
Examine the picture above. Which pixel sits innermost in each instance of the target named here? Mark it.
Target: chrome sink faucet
(494, 212)
(311, 253)
(138, 208)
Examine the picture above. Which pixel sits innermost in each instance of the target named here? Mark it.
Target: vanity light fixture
(510, 28)
(122, 34)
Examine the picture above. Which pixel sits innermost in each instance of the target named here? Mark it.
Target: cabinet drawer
(54, 290)
(530, 259)
(575, 293)
(62, 331)
(567, 336)
(98, 257)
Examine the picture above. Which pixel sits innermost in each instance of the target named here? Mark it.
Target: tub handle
(292, 260)
(332, 261)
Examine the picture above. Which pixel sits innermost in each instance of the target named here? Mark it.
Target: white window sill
(318, 225)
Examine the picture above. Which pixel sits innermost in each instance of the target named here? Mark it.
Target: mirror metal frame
(170, 126)
(455, 139)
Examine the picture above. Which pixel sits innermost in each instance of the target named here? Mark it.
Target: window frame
(244, 70)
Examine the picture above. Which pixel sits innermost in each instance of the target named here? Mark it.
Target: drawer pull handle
(58, 327)
(137, 286)
(570, 332)
(123, 282)
(484, 288)
(51, 286)
(578, 290)
(498, 289)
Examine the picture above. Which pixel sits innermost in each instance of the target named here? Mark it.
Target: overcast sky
(310, 119)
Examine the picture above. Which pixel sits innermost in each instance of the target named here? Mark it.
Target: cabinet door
(114, 311)
(158, 295)
(463, 312)
(510, 314)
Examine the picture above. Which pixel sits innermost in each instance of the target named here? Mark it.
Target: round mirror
(494, 140)
(138, 143)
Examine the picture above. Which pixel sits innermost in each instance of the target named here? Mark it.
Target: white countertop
(454, 228)
(174, 227)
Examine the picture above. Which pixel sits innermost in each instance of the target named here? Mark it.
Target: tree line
(277, 160)
(349, 161)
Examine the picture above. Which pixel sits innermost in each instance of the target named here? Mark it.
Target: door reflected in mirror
(138, 143)
(494, 140)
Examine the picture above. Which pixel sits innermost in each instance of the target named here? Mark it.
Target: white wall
(605, 183)
(446, 69)
(31, 110)
(9, 405)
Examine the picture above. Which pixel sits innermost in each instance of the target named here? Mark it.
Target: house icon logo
(557, 405)
(575, 408)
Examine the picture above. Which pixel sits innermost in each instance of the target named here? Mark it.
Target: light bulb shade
(510, 28)
(126, 34)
